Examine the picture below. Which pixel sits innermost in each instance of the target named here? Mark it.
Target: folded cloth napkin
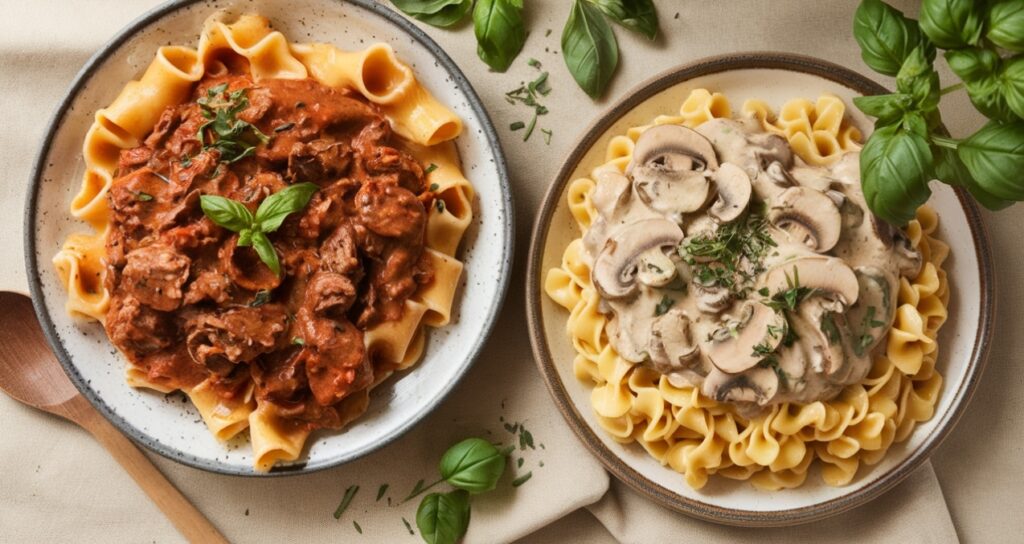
(59, 486)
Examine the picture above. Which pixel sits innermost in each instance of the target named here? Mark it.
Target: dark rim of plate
(609, 458)
(49, 330)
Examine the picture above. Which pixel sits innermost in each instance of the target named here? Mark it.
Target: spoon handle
(189, 521)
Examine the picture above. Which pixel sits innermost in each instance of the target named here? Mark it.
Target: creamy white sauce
(728, 342)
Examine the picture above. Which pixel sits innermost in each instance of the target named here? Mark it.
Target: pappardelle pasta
(278, 323)
(734, 307)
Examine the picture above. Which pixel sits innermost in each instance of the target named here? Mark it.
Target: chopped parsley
(233, 138)
(518, 125)
(186, 161)
(731, 257)
(381, 491)
(408, 526)
(143, 197)
(430, 168)
(522, 479)
(439, 204)
(297, 341)
(528, 94)
(284, 127)
(356, 525)
(434, 187)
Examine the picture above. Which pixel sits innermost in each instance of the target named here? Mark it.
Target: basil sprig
(589, 47)
(443, 517)
(909, 147)
(253, 229)
(442, 13)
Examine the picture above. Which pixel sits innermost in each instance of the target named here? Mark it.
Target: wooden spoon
(30, 373)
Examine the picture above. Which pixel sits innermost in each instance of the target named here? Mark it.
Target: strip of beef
(154, 275)
(219, 340)
(338, 364)
(391, 229)
(136, 329)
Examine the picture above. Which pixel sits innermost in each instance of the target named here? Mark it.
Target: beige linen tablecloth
(57, 485)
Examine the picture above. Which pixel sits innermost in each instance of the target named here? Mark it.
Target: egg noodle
(697, 436)
(377, 75)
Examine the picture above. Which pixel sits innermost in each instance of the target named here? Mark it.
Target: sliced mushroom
(670, 346)
(672, 147)
(734, 190)
(779, 175)
(808, 217)
(655, 268)
(908, 259)
(757, 387)
(672, 192)
(771, 148)
(812, 178)
(741, 344)
(828, 276)
(615, 269)
(851, 212)
(711, 297)
(612, 191)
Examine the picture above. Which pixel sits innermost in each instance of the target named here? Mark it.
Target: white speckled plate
(775, 78)
(168, 424)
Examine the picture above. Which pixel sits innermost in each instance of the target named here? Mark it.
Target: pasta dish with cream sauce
(738, 308)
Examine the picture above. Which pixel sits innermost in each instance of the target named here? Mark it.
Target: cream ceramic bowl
(963, 340)
(167, 424)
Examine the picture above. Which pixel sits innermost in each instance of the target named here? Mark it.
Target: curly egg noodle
(427, 126)
(697, 436)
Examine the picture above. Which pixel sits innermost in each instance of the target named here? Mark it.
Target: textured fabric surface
(58, 485)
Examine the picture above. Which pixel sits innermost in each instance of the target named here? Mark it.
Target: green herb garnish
(284, 127)
(143, 197)
(732, 256)
(381, 491)
(434, 187)
(408, 526)
(522, 479)
(261, 298)
(663, 305)
(547, 135)
(443, 517)
(430, 168)
(297, 341)
(233, 138)
(350, 493)
(439, 204)
(253, 229)
(518, 125)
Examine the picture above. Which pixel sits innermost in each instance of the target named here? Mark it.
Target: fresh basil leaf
(266, 251)
(896, 165)
(589, 48)
(950, 169)
(442, 13)
(500, 33)
(995, 158)
(973, 63)
(443, 517)
(1006, 25)
(914, 121)
(245, 238)
(917, 78)
(886, 37)
(473, 464)
(1013, 84)
(638, 15)
(230, 214)
(887, 108)
(987, 96)
(276, 207)
(952, 24)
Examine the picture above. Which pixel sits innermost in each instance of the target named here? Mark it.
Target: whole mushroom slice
(616, 266)
(808, 217)
(757, 386)
(829, 277)
(711, 299)
(672, 148)
(671, 348)
(741, 344)
(734, 191)
(655, 268)
(908, 259)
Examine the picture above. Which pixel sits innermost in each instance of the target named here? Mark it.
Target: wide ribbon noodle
(377, 75)
(697, 436)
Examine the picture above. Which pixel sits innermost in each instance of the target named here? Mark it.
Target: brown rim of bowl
(619, 468)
